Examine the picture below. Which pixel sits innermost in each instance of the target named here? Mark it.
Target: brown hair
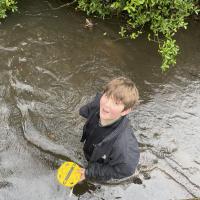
(124, 90)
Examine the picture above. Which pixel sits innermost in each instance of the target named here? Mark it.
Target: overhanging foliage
(164, 17)
(7, 5)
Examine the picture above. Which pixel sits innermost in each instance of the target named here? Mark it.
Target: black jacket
(117, 155)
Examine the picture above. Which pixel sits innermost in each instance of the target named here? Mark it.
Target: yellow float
(68, 174)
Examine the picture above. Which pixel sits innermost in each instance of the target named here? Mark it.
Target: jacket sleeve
(105, 172)
(85, 110)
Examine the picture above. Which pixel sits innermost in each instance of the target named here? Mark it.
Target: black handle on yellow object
(69, 173)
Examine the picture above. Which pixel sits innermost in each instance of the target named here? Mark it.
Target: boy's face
(110, 109)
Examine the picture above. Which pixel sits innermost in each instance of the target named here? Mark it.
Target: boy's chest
(95, 132)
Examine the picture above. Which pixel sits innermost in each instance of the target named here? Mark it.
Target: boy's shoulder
(126, 130)
(98, 97)
(95, 104)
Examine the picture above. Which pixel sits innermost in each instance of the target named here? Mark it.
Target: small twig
(153, 40)
(177, 170)
(64, 5)
(193, 195)
(122, 38)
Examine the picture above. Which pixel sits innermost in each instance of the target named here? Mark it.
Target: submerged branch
(62, 6)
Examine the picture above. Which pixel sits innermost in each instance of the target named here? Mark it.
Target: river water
(50, 65)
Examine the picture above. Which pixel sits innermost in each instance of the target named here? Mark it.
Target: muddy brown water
(50, 65)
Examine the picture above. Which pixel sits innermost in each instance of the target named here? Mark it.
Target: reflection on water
(51, 65)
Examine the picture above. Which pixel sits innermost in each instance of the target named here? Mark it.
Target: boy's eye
(106, 95)
(117, 102)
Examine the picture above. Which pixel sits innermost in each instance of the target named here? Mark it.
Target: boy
(110, 146)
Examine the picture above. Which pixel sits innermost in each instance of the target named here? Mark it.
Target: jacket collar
(105, 145)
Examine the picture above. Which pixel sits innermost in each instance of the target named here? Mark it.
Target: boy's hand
(82, 172)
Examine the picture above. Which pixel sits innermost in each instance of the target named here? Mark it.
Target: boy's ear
(125, 112)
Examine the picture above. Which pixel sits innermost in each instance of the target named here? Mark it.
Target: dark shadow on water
(83, 187)
(89, 187)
